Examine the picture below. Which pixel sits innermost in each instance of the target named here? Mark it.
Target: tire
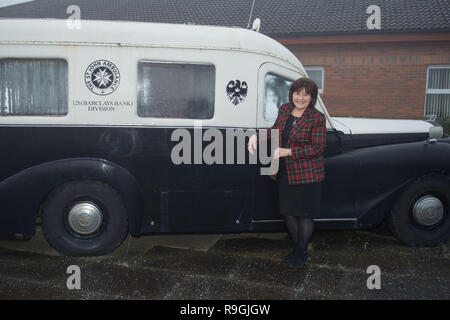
(421, 216)
(84, 218)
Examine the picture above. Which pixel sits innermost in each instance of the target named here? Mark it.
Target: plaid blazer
(307, 141)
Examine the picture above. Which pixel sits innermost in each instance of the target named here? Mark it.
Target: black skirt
(301, 200)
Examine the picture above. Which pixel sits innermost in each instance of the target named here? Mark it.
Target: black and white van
(91, 118)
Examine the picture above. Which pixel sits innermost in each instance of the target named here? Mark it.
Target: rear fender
(23, 193)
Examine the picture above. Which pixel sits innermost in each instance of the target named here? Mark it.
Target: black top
(284, 140)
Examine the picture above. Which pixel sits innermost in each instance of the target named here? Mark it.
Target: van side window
(276, 93)
(33, 87)
(171, 90)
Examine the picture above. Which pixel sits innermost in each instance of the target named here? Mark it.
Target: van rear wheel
(84, 218)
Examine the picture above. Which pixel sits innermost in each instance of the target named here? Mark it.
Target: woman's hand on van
(252, 143)
(281, 152)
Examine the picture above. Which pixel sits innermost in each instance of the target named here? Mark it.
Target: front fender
(384, 172)
(21, 195)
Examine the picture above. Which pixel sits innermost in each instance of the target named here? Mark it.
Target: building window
(276, 93)
(317, 75)
(33, 87)
(437, 100)
(173, 90)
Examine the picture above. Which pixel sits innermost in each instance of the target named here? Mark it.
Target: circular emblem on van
(102, 77)
(236, 91)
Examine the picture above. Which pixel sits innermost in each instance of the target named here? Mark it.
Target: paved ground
(245, 266)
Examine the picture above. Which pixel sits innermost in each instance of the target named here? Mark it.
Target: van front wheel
(421, 215)
(84, 218)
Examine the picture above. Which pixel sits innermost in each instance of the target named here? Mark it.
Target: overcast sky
(5, 3)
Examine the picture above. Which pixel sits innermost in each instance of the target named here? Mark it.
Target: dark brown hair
(310, 88)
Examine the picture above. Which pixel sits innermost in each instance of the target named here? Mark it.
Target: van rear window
(173, 90)
(33, 87)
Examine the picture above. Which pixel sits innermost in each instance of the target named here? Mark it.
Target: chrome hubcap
(85, 218)
(428, 211)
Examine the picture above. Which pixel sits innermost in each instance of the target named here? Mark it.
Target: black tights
(300, 230)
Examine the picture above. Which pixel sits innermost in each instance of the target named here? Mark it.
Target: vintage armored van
(91, 118)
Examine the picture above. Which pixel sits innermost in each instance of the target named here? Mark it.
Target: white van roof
(124, 33)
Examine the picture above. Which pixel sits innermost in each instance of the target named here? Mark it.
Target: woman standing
(301, 171)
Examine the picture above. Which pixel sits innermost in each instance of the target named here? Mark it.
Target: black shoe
(288, 257)
(298, 259)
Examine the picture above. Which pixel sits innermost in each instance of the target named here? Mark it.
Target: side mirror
(436, 132)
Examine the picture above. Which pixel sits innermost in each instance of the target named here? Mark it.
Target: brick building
(382, 76)
(392, 60)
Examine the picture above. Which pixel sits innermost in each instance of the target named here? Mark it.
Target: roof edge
(366, 38)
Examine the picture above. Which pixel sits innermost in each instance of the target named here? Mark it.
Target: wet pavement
(244, 266)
